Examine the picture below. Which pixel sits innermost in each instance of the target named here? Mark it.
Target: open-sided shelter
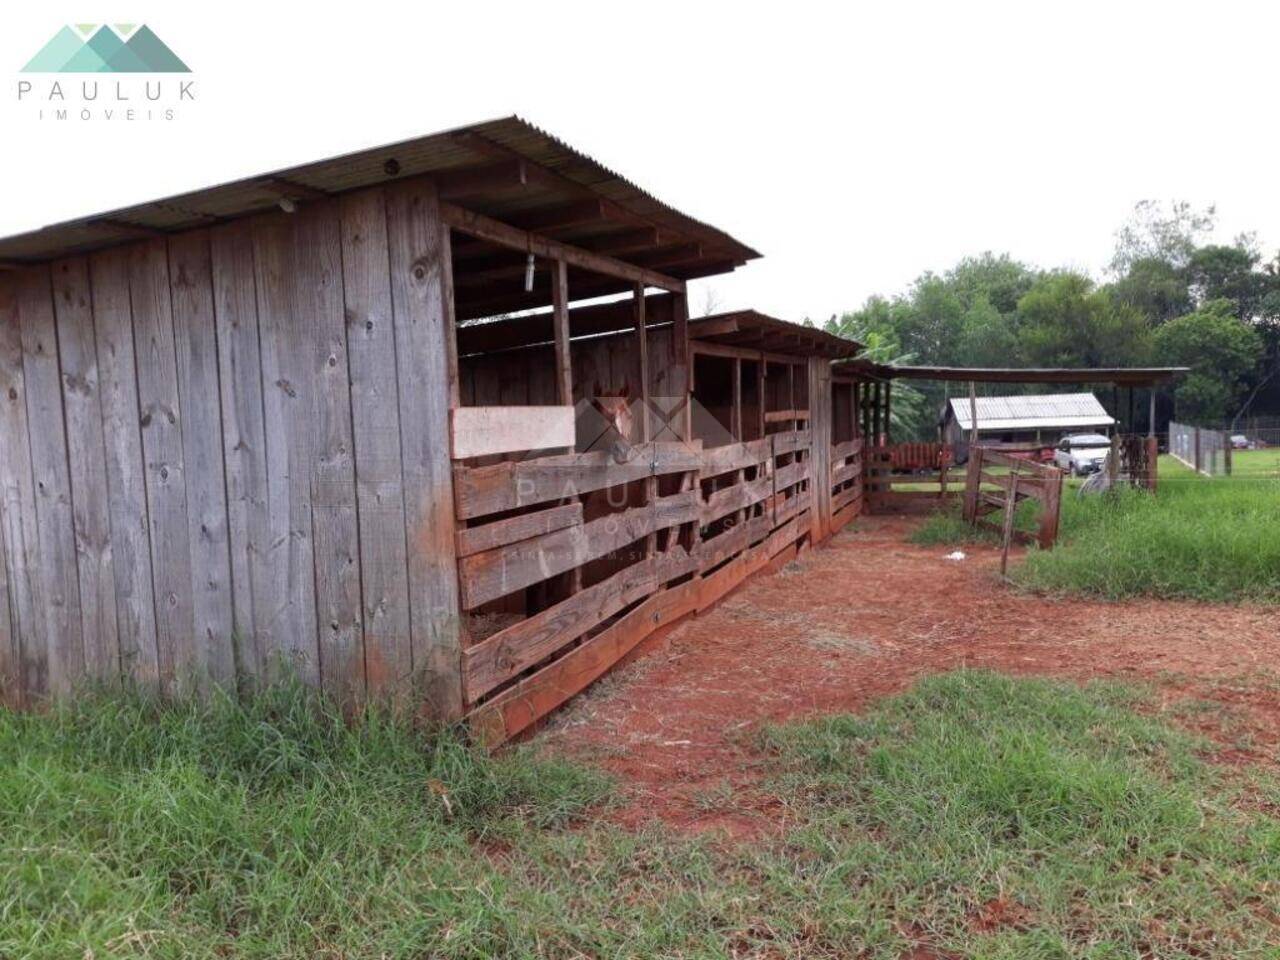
(375, 420)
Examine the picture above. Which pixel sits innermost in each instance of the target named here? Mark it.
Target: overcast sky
(854, 147)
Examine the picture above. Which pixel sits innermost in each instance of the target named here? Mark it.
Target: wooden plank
(414, 228)
(844, 514)
(91, 509)
(496, 573)
(734, 498)
(160, 412)
(784, 416)
(375, 414)
(737, 538)
(539, 694)
(18, 506)
(125, 468)
(55, 526)
(199, 394)
(482, 431)
(846, 449)
(473, 540)
(322, 344)
(735, 456)
(244, 441)
(286, 616)
(716, 586)
(790, 475)
(791, 441)
(487, 228)
(850, 470)
(500, 657)
(792, 506)
(509, 485)
(11, 693)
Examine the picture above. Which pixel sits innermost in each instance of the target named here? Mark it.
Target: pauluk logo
(132, 50)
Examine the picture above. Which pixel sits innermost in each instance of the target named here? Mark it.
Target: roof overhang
(1121, 376)
(505, 169)
(752, 330)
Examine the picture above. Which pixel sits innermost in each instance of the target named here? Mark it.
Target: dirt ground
(866, 615)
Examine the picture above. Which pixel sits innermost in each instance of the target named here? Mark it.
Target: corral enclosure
(343, 420)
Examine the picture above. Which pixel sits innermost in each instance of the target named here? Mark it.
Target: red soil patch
(865, 616)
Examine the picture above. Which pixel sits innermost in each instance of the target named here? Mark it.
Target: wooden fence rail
(738, 508)
(987, 492)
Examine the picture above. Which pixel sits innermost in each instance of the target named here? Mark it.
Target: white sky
(853, 146)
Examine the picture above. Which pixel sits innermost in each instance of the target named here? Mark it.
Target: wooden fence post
(1197, 449)
(1226, 451)
(972, 482)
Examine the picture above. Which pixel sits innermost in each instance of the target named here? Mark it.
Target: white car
(1082, 453)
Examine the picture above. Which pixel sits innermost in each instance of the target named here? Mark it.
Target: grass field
(976, 815)
(1199, 539)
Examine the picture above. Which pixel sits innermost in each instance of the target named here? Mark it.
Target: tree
(870, 326)
(1156, 288)
(1222, 351)
(1066, 322)
(1229, 273)
(1154, 233)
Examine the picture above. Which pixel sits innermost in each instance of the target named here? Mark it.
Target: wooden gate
(986, 491)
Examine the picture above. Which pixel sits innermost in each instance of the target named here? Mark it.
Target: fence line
(1205, 451)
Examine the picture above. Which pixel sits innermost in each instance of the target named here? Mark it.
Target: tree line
(1170, 299)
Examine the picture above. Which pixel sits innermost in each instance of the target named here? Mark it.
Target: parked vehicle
(1240, 442)
(1082, 453)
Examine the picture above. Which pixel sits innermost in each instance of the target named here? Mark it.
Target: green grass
(1197, 539)
(127, 830)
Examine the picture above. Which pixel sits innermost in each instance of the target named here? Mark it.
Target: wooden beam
(291, 190)
(125, 230)
(665, 256)
(560, 324)
(590, 320)
(482, 431)
(505, 175)
(450, 318)
(487, 228)
(561, 216)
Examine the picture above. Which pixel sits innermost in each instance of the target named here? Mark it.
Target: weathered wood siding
(225, 452)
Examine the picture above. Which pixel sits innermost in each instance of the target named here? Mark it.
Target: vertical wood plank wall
(225, 453)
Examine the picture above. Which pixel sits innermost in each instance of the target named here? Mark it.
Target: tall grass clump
(1196, 539)
(269, 827)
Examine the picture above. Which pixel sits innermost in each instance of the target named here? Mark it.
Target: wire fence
(1203, 450)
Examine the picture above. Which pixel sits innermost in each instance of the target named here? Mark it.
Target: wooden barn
(427, 423)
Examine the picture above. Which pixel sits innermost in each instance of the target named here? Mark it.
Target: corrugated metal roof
(566, 174)
(1032, 412)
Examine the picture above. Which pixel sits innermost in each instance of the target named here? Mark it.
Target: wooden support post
(1196, 459)
(1151, 413)
(972, 484)
(560, 320)
(642, 345)
(760, 404)
(973, 416)
(1226, 451)
(888, 429)
(1113, 460)
(451, 326)
(735, 416)
(682, 383)
(1010, 508)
